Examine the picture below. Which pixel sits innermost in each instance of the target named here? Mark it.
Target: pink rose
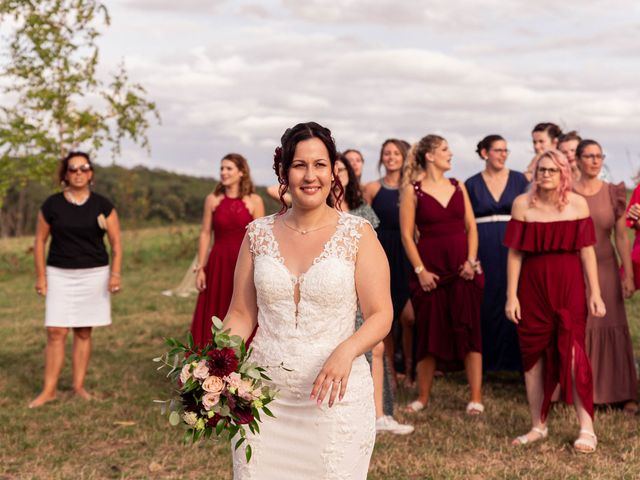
(185, 374)
(245, 390)
(233, 380)
(201, 371)
(213, 384)
(209, 400)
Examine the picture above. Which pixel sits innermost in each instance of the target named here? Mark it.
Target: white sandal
(415, 406)
(474, 408)
(589, 444)
(524, 439)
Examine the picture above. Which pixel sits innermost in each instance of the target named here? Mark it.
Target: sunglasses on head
(82, 168)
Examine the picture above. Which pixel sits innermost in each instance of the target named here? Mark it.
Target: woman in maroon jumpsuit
(550, 240)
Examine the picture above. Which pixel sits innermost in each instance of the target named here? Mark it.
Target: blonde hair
(416, 159)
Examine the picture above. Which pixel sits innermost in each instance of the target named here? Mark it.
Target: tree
(59, 102)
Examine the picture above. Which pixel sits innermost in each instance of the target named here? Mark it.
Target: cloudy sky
(233, 75)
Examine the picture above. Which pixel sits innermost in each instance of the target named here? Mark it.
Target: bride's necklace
(304, 232)
(74, 200)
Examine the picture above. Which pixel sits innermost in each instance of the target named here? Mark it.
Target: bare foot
(82, 393)
(42, 399)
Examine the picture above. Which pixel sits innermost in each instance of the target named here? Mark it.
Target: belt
(493, 218)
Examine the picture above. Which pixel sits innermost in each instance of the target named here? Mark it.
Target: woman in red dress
(550, 239)
(227, 211)
(446, 290)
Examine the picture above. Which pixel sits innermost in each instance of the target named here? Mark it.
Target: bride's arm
(243, 311)
(372, 286)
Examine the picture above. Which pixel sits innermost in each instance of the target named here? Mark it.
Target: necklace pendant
(303, 232)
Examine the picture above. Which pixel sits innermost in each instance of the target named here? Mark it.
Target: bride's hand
(334, 375)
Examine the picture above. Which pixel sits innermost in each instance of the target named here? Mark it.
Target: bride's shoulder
(354, 222)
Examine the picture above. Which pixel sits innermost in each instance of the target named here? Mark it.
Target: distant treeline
(143, 197)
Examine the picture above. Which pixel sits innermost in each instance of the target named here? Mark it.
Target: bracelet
(418, 269)
(115, 274)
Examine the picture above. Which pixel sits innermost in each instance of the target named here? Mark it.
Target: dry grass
(122, 435)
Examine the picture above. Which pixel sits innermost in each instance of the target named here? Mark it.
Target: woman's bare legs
(424, 377)
(407, 320)
(53, 362)
(473, 367)
(534, 381)
(81, 355)
(584, 419)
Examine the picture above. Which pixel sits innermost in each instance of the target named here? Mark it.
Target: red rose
(213, 421)
(222, 362)
(244, 415)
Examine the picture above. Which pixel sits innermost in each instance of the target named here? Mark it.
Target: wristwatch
(418, 269)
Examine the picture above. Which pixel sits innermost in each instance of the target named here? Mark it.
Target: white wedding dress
(306, 441)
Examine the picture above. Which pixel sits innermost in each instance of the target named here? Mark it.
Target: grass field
(121, 434)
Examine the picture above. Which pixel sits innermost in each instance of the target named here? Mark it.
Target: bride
(299, 276)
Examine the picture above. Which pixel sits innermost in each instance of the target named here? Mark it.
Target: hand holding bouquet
(221, 391)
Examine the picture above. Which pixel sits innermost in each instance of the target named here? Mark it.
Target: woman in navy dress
(384, 197)
(492, 192)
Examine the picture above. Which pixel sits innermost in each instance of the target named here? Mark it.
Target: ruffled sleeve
(540, 237)
(618, 194)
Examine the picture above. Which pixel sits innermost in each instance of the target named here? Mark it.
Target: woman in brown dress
(607, 338)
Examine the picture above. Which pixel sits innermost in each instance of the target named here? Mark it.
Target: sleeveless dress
(608, 339)
(448, 317)
(500, 350)
(305, 440)
(386, 205)
(229, 222)
(553, 303)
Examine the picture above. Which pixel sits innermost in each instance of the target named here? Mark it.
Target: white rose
(201, 371)
(185, 374)
(190, 418)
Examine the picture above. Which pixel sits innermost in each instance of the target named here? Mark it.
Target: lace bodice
(324, 315)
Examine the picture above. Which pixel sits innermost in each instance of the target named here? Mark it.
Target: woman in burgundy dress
(446, 290)
(550, 239)
(227, 211)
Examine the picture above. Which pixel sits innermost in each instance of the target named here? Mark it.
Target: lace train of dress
(305, 440)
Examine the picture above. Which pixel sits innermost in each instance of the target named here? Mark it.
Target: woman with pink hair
(550, 239)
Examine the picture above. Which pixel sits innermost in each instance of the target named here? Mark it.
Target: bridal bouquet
(220, 390)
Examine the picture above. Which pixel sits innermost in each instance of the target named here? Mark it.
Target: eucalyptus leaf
(174, 418)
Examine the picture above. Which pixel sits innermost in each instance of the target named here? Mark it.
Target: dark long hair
(283, 156)
(352, 192)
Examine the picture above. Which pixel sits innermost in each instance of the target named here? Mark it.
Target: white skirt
(78, 297)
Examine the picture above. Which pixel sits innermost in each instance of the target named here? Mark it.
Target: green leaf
(217, 323)
(174, 418)
(247, 453)
(268, 412)
(190, 341)
(220, 426)
(238, 443)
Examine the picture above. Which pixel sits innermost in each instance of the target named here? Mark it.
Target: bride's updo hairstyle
(416, 159)
(283, 157)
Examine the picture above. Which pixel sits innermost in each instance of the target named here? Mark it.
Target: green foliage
(59, 103)
(143, 197)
